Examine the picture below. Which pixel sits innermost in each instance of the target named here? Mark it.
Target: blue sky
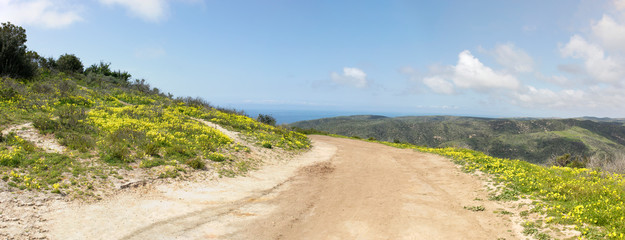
(558, 58)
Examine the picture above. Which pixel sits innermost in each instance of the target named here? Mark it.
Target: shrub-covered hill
(532, 140)
(107, 126)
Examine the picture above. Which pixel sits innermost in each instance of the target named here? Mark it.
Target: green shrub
(150, 163)
(267, 145)
(44, 124)
(77, 141)
(67, 88)
(266, 119)
(13, 140)
(567, 160)
(43, 87)
(150, 148)
(217, 157)
(116, 147)
(10, 89)
(121, 78)
(69, 63)
(12, 161)
(195, 102)
(196, 163)
(115, 154)
(169, 173)
(179, 152)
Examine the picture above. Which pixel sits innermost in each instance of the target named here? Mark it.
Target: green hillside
(71, 130)
(532, 140)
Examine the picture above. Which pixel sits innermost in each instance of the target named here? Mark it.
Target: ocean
(291, 116)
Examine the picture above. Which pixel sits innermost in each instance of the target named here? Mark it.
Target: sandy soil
(341, 189)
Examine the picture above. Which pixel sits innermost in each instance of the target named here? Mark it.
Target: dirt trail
(341, 189)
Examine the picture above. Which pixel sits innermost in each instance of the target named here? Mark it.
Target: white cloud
(610, 33)
(471, 73)
(569, 98)
(597, 65)
(439, 85)
(513, 58)
(46, 13)
(351, 76)
(593, 100)
(468, 73)
(149, 10)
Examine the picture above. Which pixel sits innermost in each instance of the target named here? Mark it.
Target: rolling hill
(532, 140)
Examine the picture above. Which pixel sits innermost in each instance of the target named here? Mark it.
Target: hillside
(532, 140)
(82, 134)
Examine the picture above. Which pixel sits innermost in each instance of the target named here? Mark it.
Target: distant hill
(532, 140)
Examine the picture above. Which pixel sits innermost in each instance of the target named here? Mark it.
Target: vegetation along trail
(341, 189)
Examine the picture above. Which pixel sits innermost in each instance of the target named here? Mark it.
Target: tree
(266, 119)
(69, 63)
(15, 61)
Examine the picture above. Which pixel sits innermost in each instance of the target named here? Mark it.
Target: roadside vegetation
(109, 124)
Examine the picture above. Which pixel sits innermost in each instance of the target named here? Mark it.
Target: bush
(150, 148)
(117, 146)
(105, 69)
(115, 153)
(77, 141)
(266, 119)
(69, 63)
(11, 162)
(195, 102)
(67, 88)
(178, 151)
(43, 87)
(72, 118)
(196, 163)
(217, 157)
(16, 60)
(151, 163)
(10, 89)
(567, 160)
(267, 145)
(44, 124)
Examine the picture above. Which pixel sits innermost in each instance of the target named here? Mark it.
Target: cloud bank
(44, 13)
(149, 10)
(471, 74)
(595, 81)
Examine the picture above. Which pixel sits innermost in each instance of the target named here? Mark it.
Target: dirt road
(341, 189)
